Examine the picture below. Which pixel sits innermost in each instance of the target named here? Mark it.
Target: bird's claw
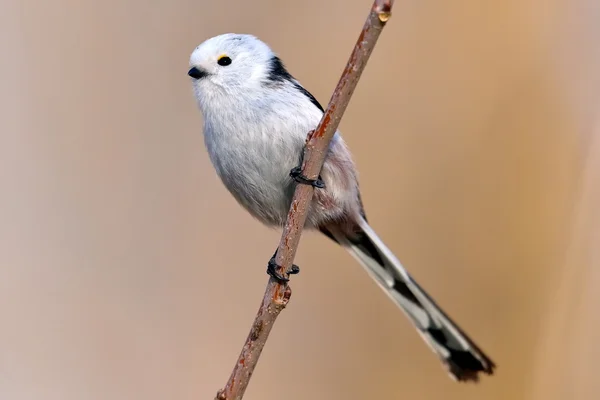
(298, 176)
(272, 270)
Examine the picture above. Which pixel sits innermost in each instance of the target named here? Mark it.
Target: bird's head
(231, 62)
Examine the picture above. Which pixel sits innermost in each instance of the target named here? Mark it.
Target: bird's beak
(197, 73)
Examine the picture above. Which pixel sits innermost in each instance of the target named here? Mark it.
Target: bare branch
(277, 295)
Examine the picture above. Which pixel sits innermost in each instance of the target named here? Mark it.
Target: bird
(256, 117)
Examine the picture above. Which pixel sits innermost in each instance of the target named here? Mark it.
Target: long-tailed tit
(256, 118)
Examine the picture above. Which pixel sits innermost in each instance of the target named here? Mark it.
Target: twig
(277, 295)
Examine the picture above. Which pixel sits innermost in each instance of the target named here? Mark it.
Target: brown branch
(277, 295)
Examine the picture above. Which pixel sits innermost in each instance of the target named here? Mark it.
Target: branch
(277, 295)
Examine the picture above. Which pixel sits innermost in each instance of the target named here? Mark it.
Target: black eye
(224, 61)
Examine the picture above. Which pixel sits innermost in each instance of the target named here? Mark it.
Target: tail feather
(463, 359)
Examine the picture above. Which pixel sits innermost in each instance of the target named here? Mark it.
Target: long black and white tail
(463, 359)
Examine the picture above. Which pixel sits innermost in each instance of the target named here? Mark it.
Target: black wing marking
(309, 95)
(279, 74)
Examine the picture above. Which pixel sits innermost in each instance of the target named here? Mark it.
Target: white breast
(253, 146)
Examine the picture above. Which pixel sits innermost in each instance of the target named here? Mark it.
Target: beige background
(128, 272)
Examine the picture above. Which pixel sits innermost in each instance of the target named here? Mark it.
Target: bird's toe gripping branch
(298, 176)
(273, 270)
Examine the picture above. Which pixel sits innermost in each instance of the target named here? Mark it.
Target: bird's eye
(224, 61)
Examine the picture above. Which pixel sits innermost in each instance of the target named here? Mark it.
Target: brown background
(128, 272)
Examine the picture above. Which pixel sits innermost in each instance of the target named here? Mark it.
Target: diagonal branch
(277, 295)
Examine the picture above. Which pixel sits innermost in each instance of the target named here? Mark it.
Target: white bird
(256, 118)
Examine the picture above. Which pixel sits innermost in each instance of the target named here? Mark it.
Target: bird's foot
(298, 176)
(273, 271)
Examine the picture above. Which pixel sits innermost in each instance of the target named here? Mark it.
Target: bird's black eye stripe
(224, 61)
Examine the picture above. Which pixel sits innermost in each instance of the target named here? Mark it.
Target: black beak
(197, 73)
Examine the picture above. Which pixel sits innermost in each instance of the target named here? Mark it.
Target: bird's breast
(253, 159)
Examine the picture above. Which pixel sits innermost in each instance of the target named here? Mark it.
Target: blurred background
(128, 272)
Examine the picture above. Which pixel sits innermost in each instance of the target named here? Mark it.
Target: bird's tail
(463, 359)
